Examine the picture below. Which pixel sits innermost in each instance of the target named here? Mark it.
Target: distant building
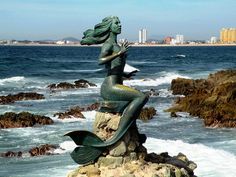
(213, 40)
(167, 40)
(179, 39)
(61, 42)
(228, 35)
(142, 36)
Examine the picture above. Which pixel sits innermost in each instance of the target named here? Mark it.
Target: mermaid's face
(116, 26)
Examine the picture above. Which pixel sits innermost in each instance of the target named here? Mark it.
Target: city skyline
(56, 19)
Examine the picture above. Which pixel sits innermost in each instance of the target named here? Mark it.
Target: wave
(165, 78)
(66, 146)
(11, 79)
(211, 162)
(82, 71)
(142, 62)
(165, 93)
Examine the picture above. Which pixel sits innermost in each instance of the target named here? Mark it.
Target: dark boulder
(81, 83)
(45, 149)
(76, 112)
(147, 113)
(23, 119)
(20, 96)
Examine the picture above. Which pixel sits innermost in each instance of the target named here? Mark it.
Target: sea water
(32, 69)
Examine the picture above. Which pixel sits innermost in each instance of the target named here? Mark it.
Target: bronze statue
(117, 97)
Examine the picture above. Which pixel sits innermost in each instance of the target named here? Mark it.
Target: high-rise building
(179, 39)
(142, 36)
(228, 35)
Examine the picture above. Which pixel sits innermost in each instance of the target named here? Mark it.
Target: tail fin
(84, 138)
(86, 154)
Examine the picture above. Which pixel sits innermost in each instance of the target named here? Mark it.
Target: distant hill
(72, 39)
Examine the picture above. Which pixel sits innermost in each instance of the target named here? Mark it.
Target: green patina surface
(117, 97)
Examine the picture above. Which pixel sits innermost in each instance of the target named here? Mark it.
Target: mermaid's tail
(90, 146)
(84, 138)
(86, 154)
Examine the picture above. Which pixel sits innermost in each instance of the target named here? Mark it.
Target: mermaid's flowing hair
(99, 34)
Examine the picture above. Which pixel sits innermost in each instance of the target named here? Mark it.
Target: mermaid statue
(118, 98)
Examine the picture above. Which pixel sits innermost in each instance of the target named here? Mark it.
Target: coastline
(132, 45)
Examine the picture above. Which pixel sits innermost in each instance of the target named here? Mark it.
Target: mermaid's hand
(124, 48)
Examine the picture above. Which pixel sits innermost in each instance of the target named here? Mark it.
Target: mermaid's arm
(107, 54)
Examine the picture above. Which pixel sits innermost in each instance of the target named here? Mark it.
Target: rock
(147, 113)
(102, 127)
(23, 119)
(20, 96)
(119, 149)
(173, 114)
(66, 85)
(110, 161)
(76, 112)
(45, 149)
(11, 154)
(81, 83)
(89, 170)
(212, 99)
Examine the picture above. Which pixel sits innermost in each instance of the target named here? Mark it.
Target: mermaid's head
(101, 31)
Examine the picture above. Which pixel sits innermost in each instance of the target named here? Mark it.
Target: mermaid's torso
(115, 70)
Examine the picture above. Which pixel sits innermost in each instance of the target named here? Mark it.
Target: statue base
(128, 157)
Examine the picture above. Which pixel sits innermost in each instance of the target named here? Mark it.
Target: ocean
(33, 68)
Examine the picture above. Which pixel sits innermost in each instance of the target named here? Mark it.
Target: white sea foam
(11, 80)
(165, 93)
(165, 78)
(211, 162)
(89, 115)
(66, 146)
(82, 91)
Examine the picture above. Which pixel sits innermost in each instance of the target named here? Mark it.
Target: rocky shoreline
(212, 99)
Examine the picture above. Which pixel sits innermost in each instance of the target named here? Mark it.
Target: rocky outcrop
(20, 96)
(213, 99)
(76, 112)
(81, 83)
(147, 113)
(128, 157)
(46, 149)
(23, 119)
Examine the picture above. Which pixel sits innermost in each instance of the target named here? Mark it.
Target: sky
(56, 19)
